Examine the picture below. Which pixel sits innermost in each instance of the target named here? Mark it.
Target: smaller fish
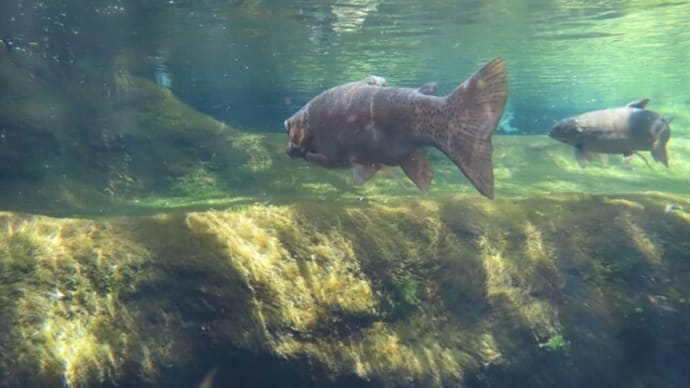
(623, 130)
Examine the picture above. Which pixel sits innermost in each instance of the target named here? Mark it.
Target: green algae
(525, 166)
(430, 291)
(555, 343)
(67, 323)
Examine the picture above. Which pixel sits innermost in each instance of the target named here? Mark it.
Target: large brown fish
(364, 125)
(622, 130)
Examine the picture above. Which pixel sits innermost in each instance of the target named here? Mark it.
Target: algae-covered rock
(426, 293)
(89, 138)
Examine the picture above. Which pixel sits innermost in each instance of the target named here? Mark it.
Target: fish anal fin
(417, 167)
(603, 158)
(363, 172)
(645, 160)
(627, 156)
(663, 134)
(640, 104)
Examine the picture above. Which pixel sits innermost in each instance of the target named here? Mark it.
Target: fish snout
(563, 130)
(555, 132)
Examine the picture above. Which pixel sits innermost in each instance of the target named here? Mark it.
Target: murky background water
(252, 63)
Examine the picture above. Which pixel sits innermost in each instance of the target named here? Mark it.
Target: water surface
(252, 63)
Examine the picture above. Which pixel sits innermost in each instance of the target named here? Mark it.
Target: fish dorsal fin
(428, 88)
(363, 172)
(640, 104)
(418, 168)
(375, 80)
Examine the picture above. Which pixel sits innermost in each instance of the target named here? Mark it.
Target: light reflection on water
(242, 60)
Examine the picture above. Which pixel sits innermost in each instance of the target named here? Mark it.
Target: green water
(104, 105)
(563, 56)
(251, 63)
(153, 231)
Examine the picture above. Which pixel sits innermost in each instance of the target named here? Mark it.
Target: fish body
(364, 126)
(623, 130)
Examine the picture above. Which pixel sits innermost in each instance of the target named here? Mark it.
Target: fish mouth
(557, 132)
(295, 151)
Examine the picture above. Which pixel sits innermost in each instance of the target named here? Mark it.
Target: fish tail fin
(663, 134)
(474, 110)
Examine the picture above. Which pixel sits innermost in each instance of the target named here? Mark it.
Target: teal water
(91, 126)
(252, 63)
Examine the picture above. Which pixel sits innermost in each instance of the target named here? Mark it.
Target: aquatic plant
(199, 183)
(408, 291)
(555, 343)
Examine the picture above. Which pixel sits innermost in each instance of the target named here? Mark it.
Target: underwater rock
(426, 292)
(91, 138)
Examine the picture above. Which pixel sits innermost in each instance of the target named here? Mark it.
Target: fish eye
(287, 125)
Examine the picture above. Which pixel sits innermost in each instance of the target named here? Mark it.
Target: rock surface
(454, 292)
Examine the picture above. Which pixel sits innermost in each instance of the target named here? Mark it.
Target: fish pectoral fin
(417, 167)
(363, 172)
(315, 158)
(639, 104)
(659, 153)
(581, 156)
